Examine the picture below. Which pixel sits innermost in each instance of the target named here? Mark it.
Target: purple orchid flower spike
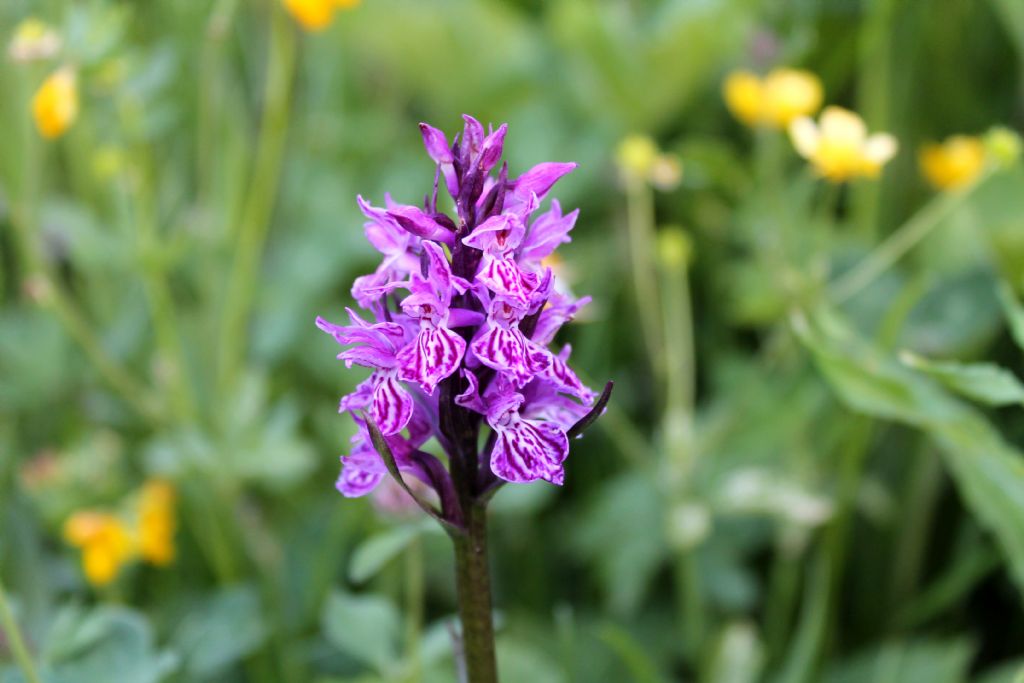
(462, 314)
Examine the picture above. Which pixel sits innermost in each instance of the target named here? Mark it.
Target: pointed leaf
(982, 382)
(594, 413)
(988, 471)
(381, 445)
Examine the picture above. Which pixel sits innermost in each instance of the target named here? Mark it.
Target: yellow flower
(316, 15)
(790, 94)
(744, 96)
(157, 522)
(954, 163)
(774, 101)
(105, 542)
(55, 104)
(839, 147)
(33, 40)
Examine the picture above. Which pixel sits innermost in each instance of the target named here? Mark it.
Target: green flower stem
(473, 584)
(680, 395)
(640, 224)
(923, 487)
(690, 591)
(874, 88)
(210, 97)
(783, 588)
(16, 640)
(54, 299)
(162, 308)
(414, 596)
(262, 194)
(905, 238)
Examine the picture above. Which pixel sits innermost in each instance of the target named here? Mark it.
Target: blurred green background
(795, 505)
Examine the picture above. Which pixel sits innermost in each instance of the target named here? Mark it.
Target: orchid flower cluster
(456, 326)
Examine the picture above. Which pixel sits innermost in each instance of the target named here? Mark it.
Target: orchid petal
(392, 405)
(436, 143)
(541, 178)
(433, 355)
(526, 451)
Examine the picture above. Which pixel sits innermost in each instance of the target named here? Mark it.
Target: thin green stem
(163, 311)
(473, 584)
(783, 588)
(414, 595)
(52, 297)
(640, 225)
(905, 238)
(874, 88)
(210, 95)
(261, 197)
(680, 396)
(924, 484)
(690, 595)
(16, 640)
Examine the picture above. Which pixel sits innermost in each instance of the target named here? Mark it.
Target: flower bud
(1003, 145)
(675, 248)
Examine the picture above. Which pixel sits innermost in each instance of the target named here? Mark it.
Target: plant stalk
(905, 238)
(640, 224)
(16, 641)
(473, 583)
(259, 203)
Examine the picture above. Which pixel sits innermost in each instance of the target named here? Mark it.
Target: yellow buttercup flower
(775, 100)
(839, 147)
(33, 40)
(105, 542)
(316, 15)
(55, 104)
(157, 522)
(743, 96)
(955, 163)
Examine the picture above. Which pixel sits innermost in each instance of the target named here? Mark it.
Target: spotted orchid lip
(458, 317)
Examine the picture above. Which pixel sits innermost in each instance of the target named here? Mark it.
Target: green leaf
(982, 382)
(221, 630)
(1009, 672)
(912, 662)
(34, 356)
(372, 554)
(364, 627)
(109, 644)
(987, 470)
(639, 664)
(1014, 312)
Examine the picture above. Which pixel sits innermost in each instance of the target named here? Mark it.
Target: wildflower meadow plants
(802, 237)
(461, 312)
